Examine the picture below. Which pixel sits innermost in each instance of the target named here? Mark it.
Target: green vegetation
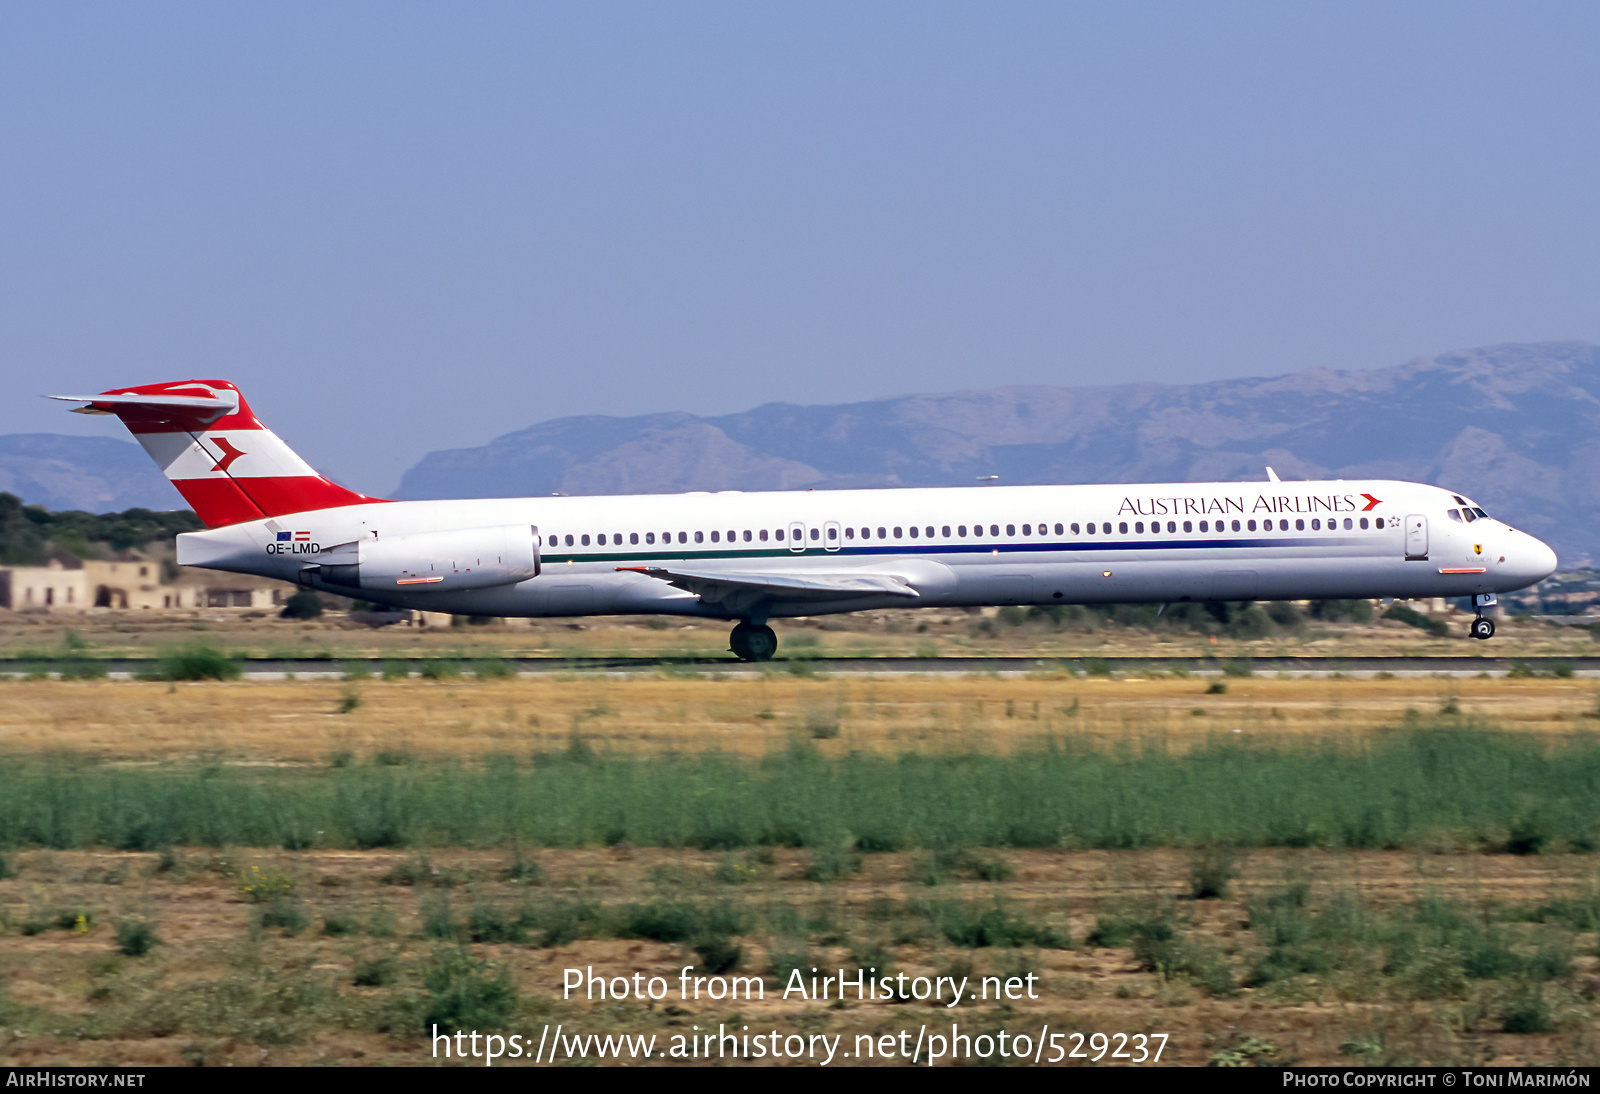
(1495, 790)
(30, 534)
(135, 938)
(1412, 618)
(304, 604)
(196, 662)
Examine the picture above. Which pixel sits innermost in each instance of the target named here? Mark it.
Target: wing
(719, 587)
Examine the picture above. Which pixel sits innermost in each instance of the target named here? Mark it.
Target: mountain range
(1516, 427)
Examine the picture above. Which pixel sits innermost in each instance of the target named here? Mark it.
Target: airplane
(750, 557)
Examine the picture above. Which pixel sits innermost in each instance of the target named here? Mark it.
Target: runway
(1306, 667)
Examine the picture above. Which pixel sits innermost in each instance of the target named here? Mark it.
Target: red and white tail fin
(226, 464)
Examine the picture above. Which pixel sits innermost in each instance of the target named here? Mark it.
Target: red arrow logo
(1371, 501)
(230, 453)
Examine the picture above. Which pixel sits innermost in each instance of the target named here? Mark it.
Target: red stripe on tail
(249, 477)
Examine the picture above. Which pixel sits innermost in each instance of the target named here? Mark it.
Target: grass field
(1328, 871)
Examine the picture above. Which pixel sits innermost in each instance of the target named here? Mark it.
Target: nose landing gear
(1481, 627)
(753, 642)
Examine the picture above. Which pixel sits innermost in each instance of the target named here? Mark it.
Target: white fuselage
(1153, 543)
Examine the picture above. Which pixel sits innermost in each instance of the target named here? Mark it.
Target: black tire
(753, 642)
(1483, 629)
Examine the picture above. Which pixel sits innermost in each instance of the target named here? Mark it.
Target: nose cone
(1530, 560)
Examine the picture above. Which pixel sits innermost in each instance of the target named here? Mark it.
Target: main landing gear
(1481, 627)
(753, 642)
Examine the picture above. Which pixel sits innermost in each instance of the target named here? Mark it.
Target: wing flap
(717, 586)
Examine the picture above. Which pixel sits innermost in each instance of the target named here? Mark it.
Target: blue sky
(402, 227)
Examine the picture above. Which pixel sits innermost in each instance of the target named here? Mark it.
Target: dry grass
(221, 989)
(300, 721)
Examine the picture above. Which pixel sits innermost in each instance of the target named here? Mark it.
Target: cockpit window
(1481, 513)
(1470, 515)
(1453, 514)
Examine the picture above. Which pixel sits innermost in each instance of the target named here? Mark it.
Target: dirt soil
(60, 979)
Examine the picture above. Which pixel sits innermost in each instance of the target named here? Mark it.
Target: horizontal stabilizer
(225, 463)
(205, 409)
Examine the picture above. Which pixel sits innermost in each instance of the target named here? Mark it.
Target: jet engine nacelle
(472, 558)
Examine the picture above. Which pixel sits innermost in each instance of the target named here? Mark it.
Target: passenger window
(815, 534)
(1363, 524)
(961, 531)
(633, 537)
(977, 529)
(1122, 528)
(928, 531)
(716, 537)
(1138, 526)
(747, 535)
(763, 535)
(1188, 526)
(1027, 530)
(778, 534)
(897, 533)
(849, 533)
(1347, 524)
(945, 532)
(699, 537)
(866, 533)
(1060, 530)
(994, 529)
(1089, 528)
(649, 537)
(569, 541)
(600, 539)
(1235, 526)
(833, 534)
(1172, 526)
(1250, 525)
(1011, 530)
(1316, 524)
(913, 531)
(883, 535)
(1299, 525)
(584, 540)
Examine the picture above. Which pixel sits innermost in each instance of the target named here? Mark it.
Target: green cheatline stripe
(657, 556)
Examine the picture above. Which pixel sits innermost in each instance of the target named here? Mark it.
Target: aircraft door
(831, 536)
(797, 538)
(537, 543)
(1416, 536)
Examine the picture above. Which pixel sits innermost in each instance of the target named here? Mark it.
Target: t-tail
(226, 464)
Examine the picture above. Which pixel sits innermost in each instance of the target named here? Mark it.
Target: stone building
(57, 586)
(132, 582)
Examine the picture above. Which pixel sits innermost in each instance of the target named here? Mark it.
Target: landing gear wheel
(1483, 628)
(753, 642)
